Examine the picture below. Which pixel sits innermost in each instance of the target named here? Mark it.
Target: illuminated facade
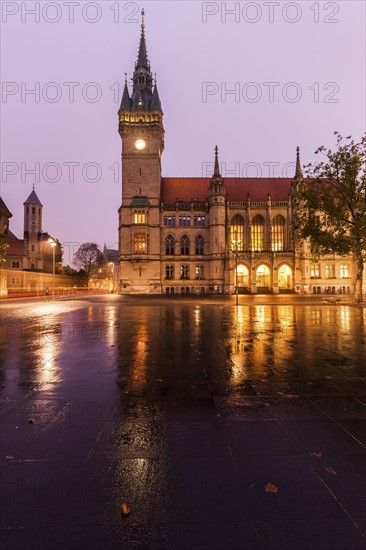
(197, 235)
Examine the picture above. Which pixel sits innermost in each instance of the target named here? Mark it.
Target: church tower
(32, 231)
(142, 133)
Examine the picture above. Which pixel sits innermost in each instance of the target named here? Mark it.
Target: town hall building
(197, 235)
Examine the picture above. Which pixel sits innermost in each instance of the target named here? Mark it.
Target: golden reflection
(138, 346)
(48, 351)
(111, 325)
(197, 316)
(259, 340)
(345, 319)
(49, 348)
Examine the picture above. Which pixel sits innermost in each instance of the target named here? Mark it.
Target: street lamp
(53, 243)
(235, 247)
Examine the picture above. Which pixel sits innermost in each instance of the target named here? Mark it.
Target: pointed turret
(298, 172)
(125, 103)
(33, 199)
(155, 101)
(216, 174)
(217, 183)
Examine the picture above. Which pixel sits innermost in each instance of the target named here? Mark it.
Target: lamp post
(52, 243)
(235, 246)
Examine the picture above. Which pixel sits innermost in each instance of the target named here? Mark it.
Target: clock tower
(142, 133)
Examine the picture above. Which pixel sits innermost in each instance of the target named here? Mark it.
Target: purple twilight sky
(296, 71)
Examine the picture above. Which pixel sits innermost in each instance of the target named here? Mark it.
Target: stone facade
(197, 235)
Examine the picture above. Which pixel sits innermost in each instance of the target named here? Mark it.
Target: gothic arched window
(184, 245)
(237, 233)
(199, 245)
(257, 233)
(278, 233)
(169, 245)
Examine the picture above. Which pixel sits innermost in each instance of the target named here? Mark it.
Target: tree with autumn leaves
(331, 204)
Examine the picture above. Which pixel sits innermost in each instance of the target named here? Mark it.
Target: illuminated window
(330, 271)
(285, 277)
(278, 233)
(343, 270)
(200, 272)
(199, 220)
(199, 245)
(140, 244)
(169, 221)
(169, 272)
(243, 276)
(263, 278)
(169, 245)
(184, 221)
(139, 216)
(257, 233)
(315, 271)
(237, 232)
(184, 271)
(184, 245)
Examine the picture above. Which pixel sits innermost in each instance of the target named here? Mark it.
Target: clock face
(140, 144)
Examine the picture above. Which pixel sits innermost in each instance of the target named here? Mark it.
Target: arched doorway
(285, 277)
(263, 277)
(242, 275)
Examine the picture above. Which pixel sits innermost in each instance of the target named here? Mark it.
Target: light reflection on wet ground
(185, 410)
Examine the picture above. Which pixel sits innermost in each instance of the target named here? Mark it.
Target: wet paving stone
(220, 427)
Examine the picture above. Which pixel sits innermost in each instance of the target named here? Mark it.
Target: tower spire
(142, 60)
(298, 172)
(144, 95)
(216, 174)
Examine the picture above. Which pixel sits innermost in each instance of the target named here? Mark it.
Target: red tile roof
(16, 246)
(237, 188)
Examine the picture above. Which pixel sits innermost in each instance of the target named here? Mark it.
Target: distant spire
(298, 172)
(216, 174)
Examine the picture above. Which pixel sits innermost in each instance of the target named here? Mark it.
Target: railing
(184, 205)
(262, 204)
(264, 255)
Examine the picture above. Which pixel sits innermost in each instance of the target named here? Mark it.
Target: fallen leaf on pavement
(31, 421)
(9, 457)
(125, 509)
(269, 488)
(330, 470)
(316, 454)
